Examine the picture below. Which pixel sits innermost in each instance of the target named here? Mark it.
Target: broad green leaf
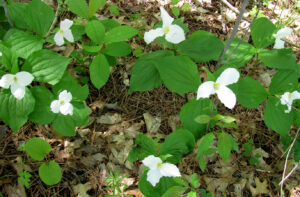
(250, 93)
(92, 49)
(50, 173)
(175, 191)
(201, 46)
(179, 73)
(16, 11)
(205, 143)
(109, 24)
(275, 118)
(120, 33)
(46, 66)
(9, 59)
(203, 119)
(42, 113)
(240, 56)
(14, 112)
(69, 83)
(95, 31)
(146, 144)
(194, 180)
(36, 148)
(284, 81)
(117, 49)
(94, 5)
(79, 7)
(262, 31)
(24, 44)
(39, 17)
(278, 58)
(202, 163)
(144, 75)
(176, 11)
(77, 31)
(99, 71)
(192, 194)
(224, 145)
(297, 151)
(193, 109)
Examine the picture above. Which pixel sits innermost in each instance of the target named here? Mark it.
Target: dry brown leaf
(136, 193)
(261, 187)
(152, 123)
(110, 118)
(81, 189)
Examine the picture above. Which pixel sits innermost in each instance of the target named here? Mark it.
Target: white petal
(151, 161)
(66, 24)
(226, 96)
(0, 53)
(295, 95)
(68, 35)
(65, 96)
(59, 39)
(169, 170)
(6, 80)
(166, 18)
(24, 78)
(66, 109)
(279, 44)
(175, 34)
(152, 34)
(153, 176)
(283, 32)
(55, 106)
(205, 89)
(228, 76)
(17, 90)
(289, 109)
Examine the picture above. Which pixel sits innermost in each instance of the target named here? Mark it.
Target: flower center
(61, 31)
(290, 95)
(159, 165)
(15, 79)
(216, 86)
(62, 102)
(166, 30)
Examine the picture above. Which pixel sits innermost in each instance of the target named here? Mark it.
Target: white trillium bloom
(287, 99)
(0, 53)
(63, 104)
(279, 44)
(64, 32)
(227, 97)
(173, 33)
(17, 83)
(159, 169)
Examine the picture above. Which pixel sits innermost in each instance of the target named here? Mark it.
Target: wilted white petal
(6, 80)
(24, 78)
(228, 76)
(59, 38)
(153, 34)
(153, 176)
(66, 24)
(283, 32)
(175, 34)
(55, 106)
(169, 170)
(279, 44)
(151, 161)
(65, 96)
(295, 95)
(68, 35)
(226, 96)
(166, 18)
(205, 89)
(17, 90)
(66, 109)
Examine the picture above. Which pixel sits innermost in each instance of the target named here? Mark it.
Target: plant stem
(6, 13)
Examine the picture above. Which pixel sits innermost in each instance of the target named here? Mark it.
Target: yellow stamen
(159, 165)
(61, 31)
(166, 30)
(62, 102)
(216, 86)
(15, 79)
(290, 95)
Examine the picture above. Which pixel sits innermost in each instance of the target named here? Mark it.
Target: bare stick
(291, 172)
(233, 8)
(54, 21)
(6, 13)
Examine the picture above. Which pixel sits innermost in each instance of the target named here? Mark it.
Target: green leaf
(202, 163)
(14, 112)
(117, 49)
(240, 56)
(109, 24)
(39, 16)
(250, 93)
(120, 33)
(36, 148)
(94, 5)
(176, 11)
(24, 44)
(95, 31)
(16, 11)
(193, 109)
(99, 71)
(179, 142)
(179, 74)
(203, 119)
(194, 180)
(224, 145)
(46, 66)
(113, 9)
(262, 31)
(9, 59)
(69, 83)
(144, 75)
(186, 7)
(275, 118)
(175, 191)
(92, 49)
(205, 143)
(284, 81)
(147, 145)
(201, 46)
(192, 194)
(279, 58)
(50, 173)
(174, 2)
(79, 7)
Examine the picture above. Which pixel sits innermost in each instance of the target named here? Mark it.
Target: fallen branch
(54, 21)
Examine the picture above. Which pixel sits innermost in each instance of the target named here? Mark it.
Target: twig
(54, 21)
(6, 13)
(234, 9)
(291, 172)
(235, 29)
(290, 43)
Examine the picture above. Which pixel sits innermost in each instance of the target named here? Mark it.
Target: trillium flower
(63, 104)
(17, 83)
(227, 97)
(287, 99)
(279, 44)
(0, 53)
(159, 169)
(173, 33)
(64, 32)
